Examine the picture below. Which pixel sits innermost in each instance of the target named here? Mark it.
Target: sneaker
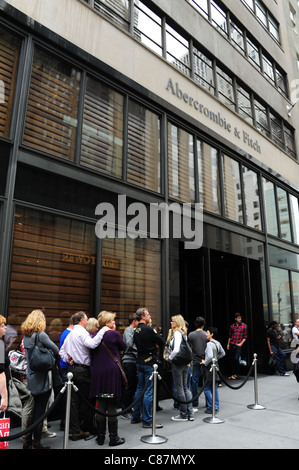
(126, 416)
(285, 375)
(135, 421)
(46, 434)
(209, 411)
(195, 410)
(191, 418)
(158, 425)
(179, 418)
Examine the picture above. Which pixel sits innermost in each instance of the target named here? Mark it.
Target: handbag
(123, 374)
(41, 358)
(4, 431)
(18, 361)
(184, 356)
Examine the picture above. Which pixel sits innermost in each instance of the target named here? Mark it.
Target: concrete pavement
(271, 428)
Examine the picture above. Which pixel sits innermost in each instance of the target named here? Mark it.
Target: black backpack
(184, 356)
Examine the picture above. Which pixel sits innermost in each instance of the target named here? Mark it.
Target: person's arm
(177, 343)
(92, 343)
(48, 343)
(3, 392)
(269, 345)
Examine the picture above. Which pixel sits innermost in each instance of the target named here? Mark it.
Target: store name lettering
(217, 118)
(79, 259)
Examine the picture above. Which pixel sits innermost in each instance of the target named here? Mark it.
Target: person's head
(80, 318)
(199, 322)
(2, 326)
(34, 323)
(238, 318)
(92, 325)
(297, 322)
(133, 320)
(273, 325)
(212, 333)
(107, 319)
(178, 323)
(143, 315)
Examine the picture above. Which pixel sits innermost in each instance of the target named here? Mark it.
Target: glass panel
(180, 164)
(281, 299)
(268, 68)
(51, 118)
(53, 267)
(218, 18)
(261, 13)
(201, 6)
(261, 118)
(249, 3)
(276, 128)
(4, 159)
(237, 36)
(143, 147)
(283, 258)
(147, 27)
(253, 53)
(102, 133)
(232, 189)
(274, 28)
(208, 176)
(115, 11)
(270, 207)
(283, 214)
(225, 88)
(131, 278)
(9, 60)
(203, 70)
(252, 199)
(289, 141)
(177, 50)
(295, 285)
(281, 82)
(244, 104)
(294, 209)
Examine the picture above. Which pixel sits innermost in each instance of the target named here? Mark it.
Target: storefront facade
(81, 125)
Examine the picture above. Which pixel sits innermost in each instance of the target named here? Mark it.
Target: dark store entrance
(216, 285)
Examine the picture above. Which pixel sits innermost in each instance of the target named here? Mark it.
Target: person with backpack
(213, 350)
(180, 356)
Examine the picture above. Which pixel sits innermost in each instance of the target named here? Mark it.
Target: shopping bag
(4, 431)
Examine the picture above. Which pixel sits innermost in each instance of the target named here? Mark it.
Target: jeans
(182, 392)
(195, 381)
(235, 354)
(208, 391)
(280, 359)
(145, 404)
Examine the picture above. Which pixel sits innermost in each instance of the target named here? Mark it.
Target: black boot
(37, 434)
(101, 428)
(115, 440)
(27, 444)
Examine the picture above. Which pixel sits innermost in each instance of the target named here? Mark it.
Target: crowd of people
(112, 372)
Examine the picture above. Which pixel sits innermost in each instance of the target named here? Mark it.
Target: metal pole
(212, 419)
(256, 405)
(69, 386)
(153, 439)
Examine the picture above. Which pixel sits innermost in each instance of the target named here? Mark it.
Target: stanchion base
(153, 439)
(213, 420)
(256, 407)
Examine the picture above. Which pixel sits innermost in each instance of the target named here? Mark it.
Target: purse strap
(112, 355)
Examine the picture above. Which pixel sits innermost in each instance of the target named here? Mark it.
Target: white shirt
(78, 344)
(175, 344)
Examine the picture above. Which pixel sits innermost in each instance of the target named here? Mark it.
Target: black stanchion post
(256, 405)
(212, 419)
(153, 438)
(69, 386)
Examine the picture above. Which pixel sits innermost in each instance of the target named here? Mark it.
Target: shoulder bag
(41, 358)
(184, 356)
(123, 374)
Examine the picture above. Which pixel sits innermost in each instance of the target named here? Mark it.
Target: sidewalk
(271, 428)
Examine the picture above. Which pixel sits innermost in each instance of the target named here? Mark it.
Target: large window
(252, 199)
(102, 134)
(283, 214)
(270, 207)
(232, 189)
(143, 167)
(9, 59)
(181, 164)
(208, 175)
(51, 118)
(281, 297)
(131, 278)
(53, 266)
(148, 27)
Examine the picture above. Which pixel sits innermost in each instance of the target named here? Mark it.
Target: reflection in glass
(294, 209)
(177, 50)
(281, 296)
(232, 189)
(283, 214)
(270, 207)
(208, 176)
(148, 27)
(295, 286)
(252, 198)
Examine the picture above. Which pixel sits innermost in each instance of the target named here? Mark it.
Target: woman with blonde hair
(106, 379)
(176, 335)
(38, 382)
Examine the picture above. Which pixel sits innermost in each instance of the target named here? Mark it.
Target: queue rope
(241, 384)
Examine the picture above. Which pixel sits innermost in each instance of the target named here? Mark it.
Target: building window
(251, 193)
(225, 88)
(52, 108)
(208, 176)
(281, 304)
(203, 70)
(294, 211)
(177, 50)
(218, 18)
(244, 104)
(102, 132)
(131, 278)
(181, 178)
(270, 207)
(276, 130)
(53, 266)
(237, 36)
(143, 166)
(283, 214)
(261, 118)
(115, 11)
(289, 141)
(9, 60)
(232, 189)
(148, 27)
